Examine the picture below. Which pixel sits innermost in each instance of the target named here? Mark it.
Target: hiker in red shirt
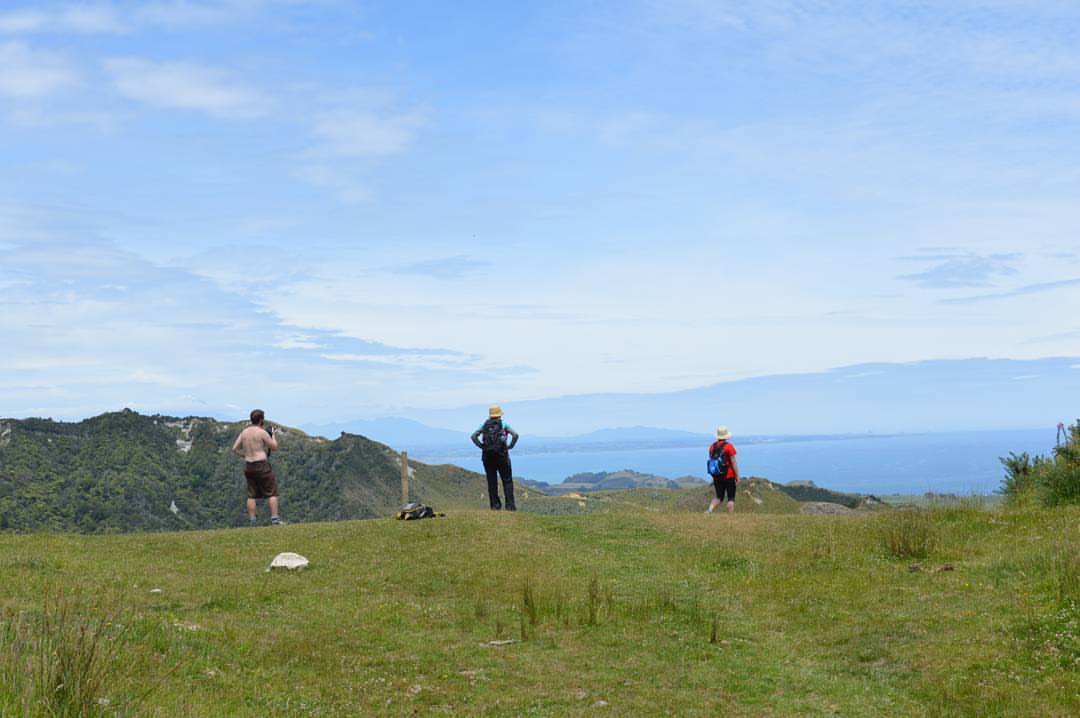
(724, 470)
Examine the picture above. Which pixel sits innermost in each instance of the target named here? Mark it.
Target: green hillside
(950, 612)
(606, 480)
(122, 471)
(808, 491)
(754, 496)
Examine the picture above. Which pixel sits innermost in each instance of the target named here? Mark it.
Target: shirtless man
(255, 444)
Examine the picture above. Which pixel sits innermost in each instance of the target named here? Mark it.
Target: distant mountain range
(412, 435)
(643, 434)
(402, 434)
(927, 396)
(421, 439)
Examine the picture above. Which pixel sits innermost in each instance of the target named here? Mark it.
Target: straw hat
(495, 412)
(722, 433)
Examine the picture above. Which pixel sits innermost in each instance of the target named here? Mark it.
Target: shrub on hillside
(1052, 481)
(1063, 475)
(1020, 471)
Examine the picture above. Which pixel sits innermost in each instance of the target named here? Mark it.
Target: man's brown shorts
(260, 479)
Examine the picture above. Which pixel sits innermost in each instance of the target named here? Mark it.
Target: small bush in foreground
(908, 533)
(59, 661)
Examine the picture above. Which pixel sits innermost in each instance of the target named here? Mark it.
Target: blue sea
(961, 462)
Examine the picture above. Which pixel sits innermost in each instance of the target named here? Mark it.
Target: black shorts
(724, 486)
(261, 482)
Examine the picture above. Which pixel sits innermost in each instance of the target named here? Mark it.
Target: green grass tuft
(66, 659)
(908, 533)
(1065, 570)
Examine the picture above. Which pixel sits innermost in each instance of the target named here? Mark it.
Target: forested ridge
(122, 471)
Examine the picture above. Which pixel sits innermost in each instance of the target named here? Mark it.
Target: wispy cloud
(411, 361)
(299, 341)
(82, 18)
(162, 332)
(946, 39)
(33, 117)
(447, 268)
(186, 13)
(28, 74)
(1066, 256)
(1056, 337)
(364, 134)
(347, 188)
(184, 85)
(15, 22)
(110, 18)
(961, 270)
(345, 142)
(1017, 292)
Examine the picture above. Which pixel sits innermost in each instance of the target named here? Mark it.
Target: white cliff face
(5, 433)
(396, 458)
(183, 445)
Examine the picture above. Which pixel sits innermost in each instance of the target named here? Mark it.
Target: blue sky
(339, 209)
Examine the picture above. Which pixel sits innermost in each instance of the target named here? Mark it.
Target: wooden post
(404, 477)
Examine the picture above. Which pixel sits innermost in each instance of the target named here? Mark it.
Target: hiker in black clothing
(491, 438)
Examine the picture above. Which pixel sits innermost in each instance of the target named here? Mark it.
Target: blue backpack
(718, 466)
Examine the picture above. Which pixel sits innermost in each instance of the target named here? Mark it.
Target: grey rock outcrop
(825, 508)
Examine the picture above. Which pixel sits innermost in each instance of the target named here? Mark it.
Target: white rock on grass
(290, 561)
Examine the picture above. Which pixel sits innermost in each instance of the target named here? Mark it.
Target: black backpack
(414, 511)
(494, 435)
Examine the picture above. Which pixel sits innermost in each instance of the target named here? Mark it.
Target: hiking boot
(511, 507)
(276, 521)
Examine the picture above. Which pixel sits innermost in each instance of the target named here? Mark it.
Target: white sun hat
(722, 433)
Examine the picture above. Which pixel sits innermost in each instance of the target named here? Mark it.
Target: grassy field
(957, 611)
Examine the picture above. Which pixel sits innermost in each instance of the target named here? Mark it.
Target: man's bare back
(253, 443)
